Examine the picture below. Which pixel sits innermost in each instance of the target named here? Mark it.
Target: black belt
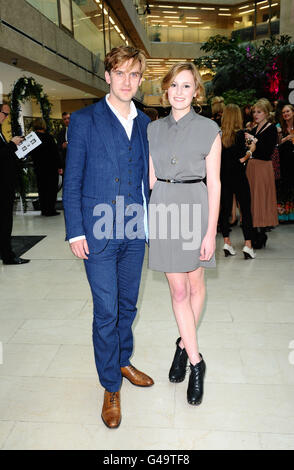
(179, 181)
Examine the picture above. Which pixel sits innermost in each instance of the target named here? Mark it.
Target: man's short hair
(122, 54)
(65, 114)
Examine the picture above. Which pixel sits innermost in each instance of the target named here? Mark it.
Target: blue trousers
(114, 276)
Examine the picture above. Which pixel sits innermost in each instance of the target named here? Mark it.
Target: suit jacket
(8, 167)
(60, 140)
(92, 172)
(46, 157)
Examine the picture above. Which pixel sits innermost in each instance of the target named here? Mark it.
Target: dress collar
(183, 121)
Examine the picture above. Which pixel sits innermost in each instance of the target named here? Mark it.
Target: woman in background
(233, 179)
(217, 109)
(260, 173)
(286, 151)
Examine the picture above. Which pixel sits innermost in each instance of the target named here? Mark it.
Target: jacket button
(116, 180)
(113, 202)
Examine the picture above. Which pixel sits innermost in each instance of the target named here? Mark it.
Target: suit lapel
(103, 125)
(143, 138)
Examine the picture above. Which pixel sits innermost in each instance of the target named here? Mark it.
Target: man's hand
(60, 171)
(80, 249)
(17, 140)
(64, 145)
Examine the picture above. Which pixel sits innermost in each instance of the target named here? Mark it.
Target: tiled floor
(50, 397)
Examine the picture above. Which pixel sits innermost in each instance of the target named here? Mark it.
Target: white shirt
(127, 125)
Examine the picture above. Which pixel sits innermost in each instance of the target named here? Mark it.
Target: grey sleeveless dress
(178, 213)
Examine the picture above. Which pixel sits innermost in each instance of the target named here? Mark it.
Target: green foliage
(23, 89)
(250, 66)
(241, 98)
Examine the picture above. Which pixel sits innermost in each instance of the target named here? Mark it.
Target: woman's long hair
(283, 122)
(231, 123)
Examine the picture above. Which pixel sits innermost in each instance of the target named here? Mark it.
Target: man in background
(62, 139)
(8, 178)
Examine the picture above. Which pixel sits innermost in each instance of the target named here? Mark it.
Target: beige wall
(287, 17)
(37, 59)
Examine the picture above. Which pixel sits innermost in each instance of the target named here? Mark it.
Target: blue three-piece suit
(102, 164)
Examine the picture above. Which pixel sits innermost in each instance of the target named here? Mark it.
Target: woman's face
(259, 115)
(182, 90)
(287, 113)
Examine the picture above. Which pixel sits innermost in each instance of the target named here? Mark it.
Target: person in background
(285, 187)
(47, 164)
(217, 108)
(247, 114)
(62, 140)
(260, 173)
(152, 113)
(233, 178)
(8, 179)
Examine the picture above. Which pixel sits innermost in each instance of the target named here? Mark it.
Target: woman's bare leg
(179, 285)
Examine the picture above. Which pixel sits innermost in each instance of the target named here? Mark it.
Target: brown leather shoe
(136, 377)
(111, 414)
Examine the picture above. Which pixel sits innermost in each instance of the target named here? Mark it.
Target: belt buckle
(171, 181)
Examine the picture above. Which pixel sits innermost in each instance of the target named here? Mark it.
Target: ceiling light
(225, 9)
(187, 8)
(122, 36)
(264, 1)
(179, 26)
(153, 16)
(192, 17)
(244, 12)
(194, 22)
(111, 20)
(165, 6)
(117, 29)
(171, 12)
(224, 14)
(244, 6)
(207, 8)
(267, 6)
(172, 17)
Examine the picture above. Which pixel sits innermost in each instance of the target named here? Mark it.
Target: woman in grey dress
(183, 212)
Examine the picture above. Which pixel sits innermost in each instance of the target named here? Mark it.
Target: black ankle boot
(177, 371)
(195, 387)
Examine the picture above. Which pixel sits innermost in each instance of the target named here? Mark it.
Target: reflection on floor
(50, 397)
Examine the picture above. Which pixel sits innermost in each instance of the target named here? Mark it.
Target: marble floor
(50, 397)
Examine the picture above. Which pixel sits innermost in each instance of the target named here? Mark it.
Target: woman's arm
(152, 177)
(213, 160)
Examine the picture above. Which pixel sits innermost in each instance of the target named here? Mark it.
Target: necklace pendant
(174, 161)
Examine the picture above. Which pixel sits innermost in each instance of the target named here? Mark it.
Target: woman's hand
(248, 136)
(207, 247)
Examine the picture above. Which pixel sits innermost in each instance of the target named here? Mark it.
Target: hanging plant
(23, 89)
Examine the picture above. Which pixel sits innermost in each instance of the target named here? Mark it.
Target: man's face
(66, 120)
(125, 80)
(4, 113)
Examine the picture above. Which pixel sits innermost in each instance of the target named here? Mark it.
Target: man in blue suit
(106, 183)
